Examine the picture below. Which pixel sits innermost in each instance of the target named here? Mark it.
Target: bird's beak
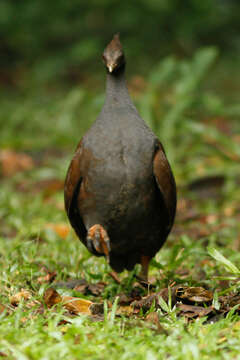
(110, 68)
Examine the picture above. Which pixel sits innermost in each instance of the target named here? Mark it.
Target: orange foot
(98, 239)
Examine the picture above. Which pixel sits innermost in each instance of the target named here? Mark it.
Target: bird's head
(113, 56)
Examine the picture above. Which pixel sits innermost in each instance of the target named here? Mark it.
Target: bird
(120, 192)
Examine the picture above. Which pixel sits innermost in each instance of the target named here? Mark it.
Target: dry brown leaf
(77, 305)
(97, 309)
(96, 289)
(51, 297)
(125, 310)
(71, 284)
(192, 311)
(183, 293)
(93, 289)
(146, 302)
(12, 162)
(82, 288)
(47, 278)
(194, 294)
(61, 230)
(229, 301)
(22, 295)
(124, 299)
(72, 304)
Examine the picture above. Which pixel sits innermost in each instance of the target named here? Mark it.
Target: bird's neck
(116, 90)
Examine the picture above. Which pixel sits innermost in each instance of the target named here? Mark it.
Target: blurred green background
(61, 41)
(183, 73)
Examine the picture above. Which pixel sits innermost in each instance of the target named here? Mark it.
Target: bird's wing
(71, 190)
(165, 182)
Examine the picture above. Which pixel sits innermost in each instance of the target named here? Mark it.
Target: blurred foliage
(61, 39)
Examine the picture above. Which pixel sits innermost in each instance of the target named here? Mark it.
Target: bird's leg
(98, 239)
(145, 260)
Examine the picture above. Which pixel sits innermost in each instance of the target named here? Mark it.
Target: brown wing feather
(165, 181)
(72, 178)
(71, 190)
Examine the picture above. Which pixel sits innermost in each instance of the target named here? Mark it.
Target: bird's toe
(98, 240)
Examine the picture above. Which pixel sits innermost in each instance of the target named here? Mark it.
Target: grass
(48, 128)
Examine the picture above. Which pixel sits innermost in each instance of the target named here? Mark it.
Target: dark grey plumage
(120, 179)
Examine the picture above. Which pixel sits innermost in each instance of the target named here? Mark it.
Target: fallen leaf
(51, 297)
(73, 304)
(77, 305)
(82, 288)
(146, 302)
(12, 162)
(22, 295)
(193, 311)
(61, 230)
(72, 284)
(47, 278)
(124, 299)
(97, 309)
(229, 301)
(96, 289)
(125, 310)
(194, 294)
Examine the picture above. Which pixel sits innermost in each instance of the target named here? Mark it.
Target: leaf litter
(189, 302)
